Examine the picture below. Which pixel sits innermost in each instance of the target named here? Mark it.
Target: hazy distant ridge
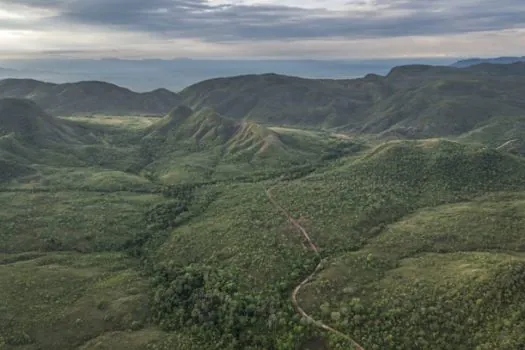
(498, 60)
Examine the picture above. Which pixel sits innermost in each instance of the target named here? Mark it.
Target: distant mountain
(498, 60)
(148, 74)
(278, 99)
(411, 101)
(89, 97)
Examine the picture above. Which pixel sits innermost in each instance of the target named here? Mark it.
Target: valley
(266, 212)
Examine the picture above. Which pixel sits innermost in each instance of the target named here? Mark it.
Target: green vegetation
(506, 134)
(71, 221)
(89, 97)
(388, 206)
(62, 300)
(127, 122)
(187, 146)
(157, 233)
(411, 101)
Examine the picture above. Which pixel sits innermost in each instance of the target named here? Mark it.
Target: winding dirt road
(297, 289)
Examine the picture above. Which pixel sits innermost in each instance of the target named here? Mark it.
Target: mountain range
(149, 74)
(410, 101)
(266, 211)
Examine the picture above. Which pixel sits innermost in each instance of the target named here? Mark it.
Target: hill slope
(415, 101)
(41, 151)
(29, 122)
(187, 145)
(272, 98)
(502, 133)
(89, 97)
(434, 197)
(411, 101)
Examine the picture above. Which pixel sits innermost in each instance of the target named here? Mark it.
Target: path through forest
(297, 289)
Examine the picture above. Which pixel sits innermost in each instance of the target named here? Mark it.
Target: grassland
(62, 300)
(127, 122)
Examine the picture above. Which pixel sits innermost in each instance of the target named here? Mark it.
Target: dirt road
(297, 289)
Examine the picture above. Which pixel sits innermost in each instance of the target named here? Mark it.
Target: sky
(318, 29)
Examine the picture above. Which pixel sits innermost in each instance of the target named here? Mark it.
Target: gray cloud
(199, 19)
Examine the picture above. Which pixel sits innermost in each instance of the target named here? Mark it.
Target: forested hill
(209, 228)
(89, 97)
(412, 100)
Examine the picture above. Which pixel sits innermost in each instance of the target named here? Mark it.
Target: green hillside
(271, 98)
(219, 260)
(26, 120)
(246, 222)
(411, 101)
(88, 97)
(505, 133)
(40, 151)
(188, 146)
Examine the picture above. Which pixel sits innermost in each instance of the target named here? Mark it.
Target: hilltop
(272, 98)
(89, 97)
(411, 101)
(197, 145)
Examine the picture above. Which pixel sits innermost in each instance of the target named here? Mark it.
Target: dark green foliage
(209, 302)
(26, 120)
(165, 215)
(11, 170)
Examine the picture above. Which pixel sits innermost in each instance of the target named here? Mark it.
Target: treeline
(210, 302)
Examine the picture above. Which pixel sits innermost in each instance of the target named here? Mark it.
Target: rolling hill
(29, 122)
(198, 145)
(501, 133)
(89, 97)
(28, 135)
(40, 151)
(194, 231)
(413, 101)
(272, 98)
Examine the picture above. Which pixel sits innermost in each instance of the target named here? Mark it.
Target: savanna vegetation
(157, 232)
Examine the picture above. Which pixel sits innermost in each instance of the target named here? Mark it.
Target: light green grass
(84, 221)
(62, 300)
(129, 122)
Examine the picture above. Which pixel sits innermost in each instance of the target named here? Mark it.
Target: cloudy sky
(261, 28)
